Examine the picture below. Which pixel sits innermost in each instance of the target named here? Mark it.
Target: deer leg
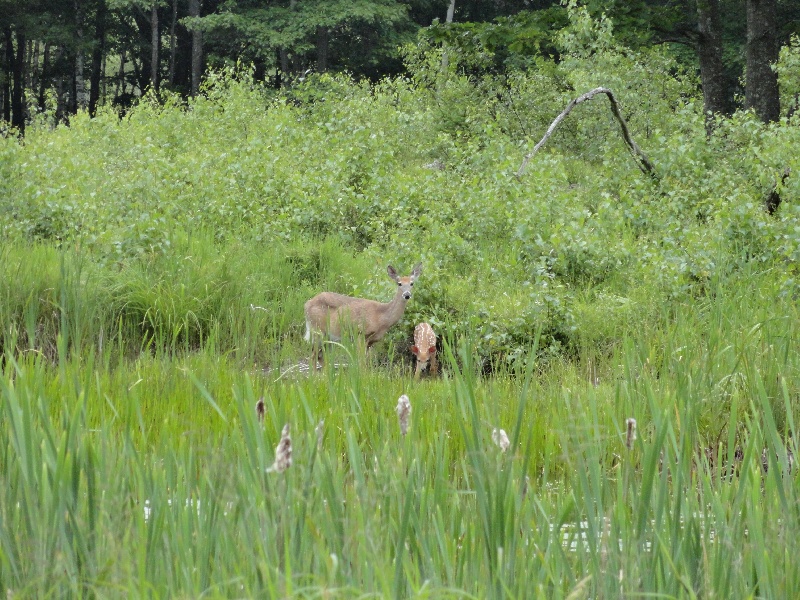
(434, 367)
(367, 345)
(320, 357)
(316, 356)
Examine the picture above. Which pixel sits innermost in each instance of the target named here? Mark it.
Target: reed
(152, 477)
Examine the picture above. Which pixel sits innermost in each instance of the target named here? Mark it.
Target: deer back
(330, 312)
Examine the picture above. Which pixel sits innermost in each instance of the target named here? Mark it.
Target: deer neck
(393, 311)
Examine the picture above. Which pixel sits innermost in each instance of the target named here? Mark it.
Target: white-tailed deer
(424, 349)
(328, 313)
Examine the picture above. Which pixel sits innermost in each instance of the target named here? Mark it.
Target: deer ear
(414, 350)
(432, 350)
(392, 273)
(417, 270)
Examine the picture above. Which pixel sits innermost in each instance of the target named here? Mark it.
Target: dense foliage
(413, 169)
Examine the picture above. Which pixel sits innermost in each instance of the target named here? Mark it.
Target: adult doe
(424, 349)
(328, 313)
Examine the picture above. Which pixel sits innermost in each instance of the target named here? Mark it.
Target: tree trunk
(42, 99)
(451, 11)
(18, 94)
(154, 41)
(322, 49)
(283, 56)
(103, 78)
(761, 93)
(141, 75)
(141, 56)
(98, 56)
(31, 63)
(8, 68)
(283, 66)
(61, 88)
(119, 89)
(197, 48)
(79, 102)
(72, 95)
(35, 69)
(709, 53)
(183, 55)
(172, 38)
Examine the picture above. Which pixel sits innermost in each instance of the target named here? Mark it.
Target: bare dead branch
(643, 162)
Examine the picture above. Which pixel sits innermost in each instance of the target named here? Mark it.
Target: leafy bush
(189, 213)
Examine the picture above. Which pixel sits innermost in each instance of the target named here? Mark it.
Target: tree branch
(678, 40)
(643, 162)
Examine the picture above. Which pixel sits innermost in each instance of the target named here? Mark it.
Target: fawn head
(424, 353)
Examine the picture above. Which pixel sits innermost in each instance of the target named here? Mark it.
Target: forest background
(64, 55)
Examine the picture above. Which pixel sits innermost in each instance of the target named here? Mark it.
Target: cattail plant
(319, 431)
(403, 413)
(283, 452)
(630, 436)
(500, 438)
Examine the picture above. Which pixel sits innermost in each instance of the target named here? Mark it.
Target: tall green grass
(149, 477)
(236, 298)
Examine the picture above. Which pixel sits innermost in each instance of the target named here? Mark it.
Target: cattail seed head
(260, 409)
(630, 436)
(500, 438)
(283, 452)
(319, 431)
(403, 413)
